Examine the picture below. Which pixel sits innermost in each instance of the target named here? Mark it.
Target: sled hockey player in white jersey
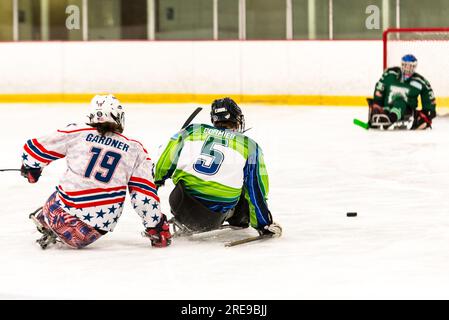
(101, 164)
(219, 174)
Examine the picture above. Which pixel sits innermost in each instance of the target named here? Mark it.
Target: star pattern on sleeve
(147, 207)
(100, 214)
(87, 217)
(112, 209)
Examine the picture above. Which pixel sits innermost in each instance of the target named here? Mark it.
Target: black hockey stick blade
(2, 170)
(193, 115)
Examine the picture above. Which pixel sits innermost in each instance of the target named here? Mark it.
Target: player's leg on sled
(192, 217)
(397, 116)
(57, 226)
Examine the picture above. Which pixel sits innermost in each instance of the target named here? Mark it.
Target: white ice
(320, 166)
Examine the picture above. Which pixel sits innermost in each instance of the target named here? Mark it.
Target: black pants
(197, 217)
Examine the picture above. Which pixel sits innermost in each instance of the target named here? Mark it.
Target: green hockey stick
(361, 124)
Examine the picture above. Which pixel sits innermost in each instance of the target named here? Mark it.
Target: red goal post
(431, 48)
(410, 38)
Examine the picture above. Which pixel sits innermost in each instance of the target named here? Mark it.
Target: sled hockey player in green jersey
(395, 101)
(219, 173)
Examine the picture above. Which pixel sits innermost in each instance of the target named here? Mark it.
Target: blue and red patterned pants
(69, 229)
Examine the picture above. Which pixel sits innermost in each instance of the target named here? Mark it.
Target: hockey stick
(2, 170)
(246, 240)
(180, 230)
(189, 119)
(361, 124)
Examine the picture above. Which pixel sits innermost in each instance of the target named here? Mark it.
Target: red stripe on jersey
(121, 135)
(43, 150)
(89, 191)
(145, 192)
(144, 181)
(78, 130)
(35, 156)
(92, 204)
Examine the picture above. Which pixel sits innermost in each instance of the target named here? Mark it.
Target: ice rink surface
(320, 167)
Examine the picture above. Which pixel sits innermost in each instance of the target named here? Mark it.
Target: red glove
(421, 119)
(32, 174)
(160, 235)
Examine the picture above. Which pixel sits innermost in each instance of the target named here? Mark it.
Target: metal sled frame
(180, 230)
(375, 122)
(48, 236)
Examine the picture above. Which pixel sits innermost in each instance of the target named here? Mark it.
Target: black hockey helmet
(227, 111)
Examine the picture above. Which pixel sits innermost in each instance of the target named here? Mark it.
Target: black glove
(159, 183)
(32, 174)
(430, 114)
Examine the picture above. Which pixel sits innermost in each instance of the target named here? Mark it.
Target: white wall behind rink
(346, 68)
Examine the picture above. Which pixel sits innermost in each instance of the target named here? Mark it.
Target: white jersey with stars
(99, 170)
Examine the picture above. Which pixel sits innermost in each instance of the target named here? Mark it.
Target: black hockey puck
(351, 214)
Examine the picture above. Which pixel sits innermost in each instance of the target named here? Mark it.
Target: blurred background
(300, 52)
(212, 19)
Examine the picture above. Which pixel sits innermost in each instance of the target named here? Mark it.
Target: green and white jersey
(391, 87)
(217, 166)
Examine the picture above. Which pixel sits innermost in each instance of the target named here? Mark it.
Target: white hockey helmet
(106, 109)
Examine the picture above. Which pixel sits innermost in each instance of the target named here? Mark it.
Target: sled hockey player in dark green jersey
(219, 173)
(395, 102)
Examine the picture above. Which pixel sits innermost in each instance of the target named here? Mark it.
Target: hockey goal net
(430, 46)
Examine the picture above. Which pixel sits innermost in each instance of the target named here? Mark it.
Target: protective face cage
(408, 66)
(408, 69)
(241, 123)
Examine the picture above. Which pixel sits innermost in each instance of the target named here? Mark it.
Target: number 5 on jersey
(108, 162)
(210, 160)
